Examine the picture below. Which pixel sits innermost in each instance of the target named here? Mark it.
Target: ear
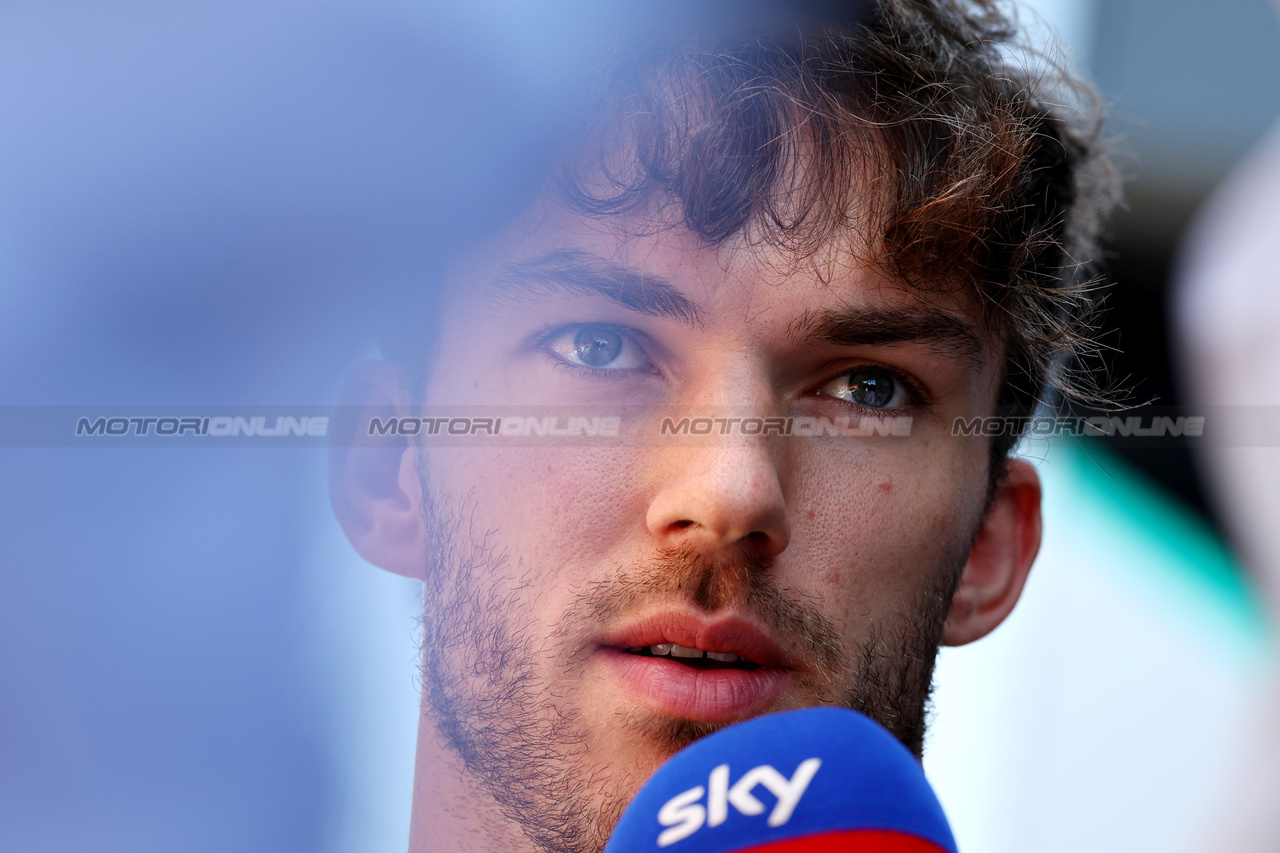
(1000, 559)
(373, 480)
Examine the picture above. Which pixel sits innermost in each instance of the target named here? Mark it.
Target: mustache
(711, 584)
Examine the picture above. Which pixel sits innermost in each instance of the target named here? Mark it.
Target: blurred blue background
(220, 203)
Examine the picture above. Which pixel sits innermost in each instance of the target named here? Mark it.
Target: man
(867, 224)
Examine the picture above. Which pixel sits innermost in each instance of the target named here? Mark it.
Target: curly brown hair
(985, 173)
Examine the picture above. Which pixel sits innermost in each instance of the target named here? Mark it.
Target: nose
(722, 496)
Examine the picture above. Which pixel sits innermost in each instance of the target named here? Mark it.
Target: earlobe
(374, 487)
(1000, 559)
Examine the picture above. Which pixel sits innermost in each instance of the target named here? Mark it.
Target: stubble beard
(523, 739)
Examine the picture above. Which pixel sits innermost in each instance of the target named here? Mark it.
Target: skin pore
(830, 566)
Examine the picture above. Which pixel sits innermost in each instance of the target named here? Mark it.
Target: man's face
(793, 571)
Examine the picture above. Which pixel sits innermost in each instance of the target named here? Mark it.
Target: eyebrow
(931, 327)
(581, 273)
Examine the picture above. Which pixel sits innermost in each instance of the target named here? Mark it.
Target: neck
(452, 810)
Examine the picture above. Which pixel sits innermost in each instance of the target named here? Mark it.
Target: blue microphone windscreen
(819, 779)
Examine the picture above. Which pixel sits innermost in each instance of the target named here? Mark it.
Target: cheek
(553, 510)
(874, 526)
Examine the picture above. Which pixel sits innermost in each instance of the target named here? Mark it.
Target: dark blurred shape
(1191, 86)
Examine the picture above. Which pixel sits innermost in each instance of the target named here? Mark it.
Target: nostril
(716, 499)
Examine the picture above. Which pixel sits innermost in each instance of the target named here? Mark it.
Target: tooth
(724, 657)
(683, 652)
(660, 649)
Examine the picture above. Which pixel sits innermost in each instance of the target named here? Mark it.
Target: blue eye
(597, 346)
(869, 387)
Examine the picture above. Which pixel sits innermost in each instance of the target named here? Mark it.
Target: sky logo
(684, 814)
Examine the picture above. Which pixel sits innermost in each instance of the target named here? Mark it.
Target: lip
(717, 695)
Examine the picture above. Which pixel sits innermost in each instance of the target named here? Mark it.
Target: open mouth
(695, 658)
(715, 669)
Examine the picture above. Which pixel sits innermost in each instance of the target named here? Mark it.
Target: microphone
(818, 780)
